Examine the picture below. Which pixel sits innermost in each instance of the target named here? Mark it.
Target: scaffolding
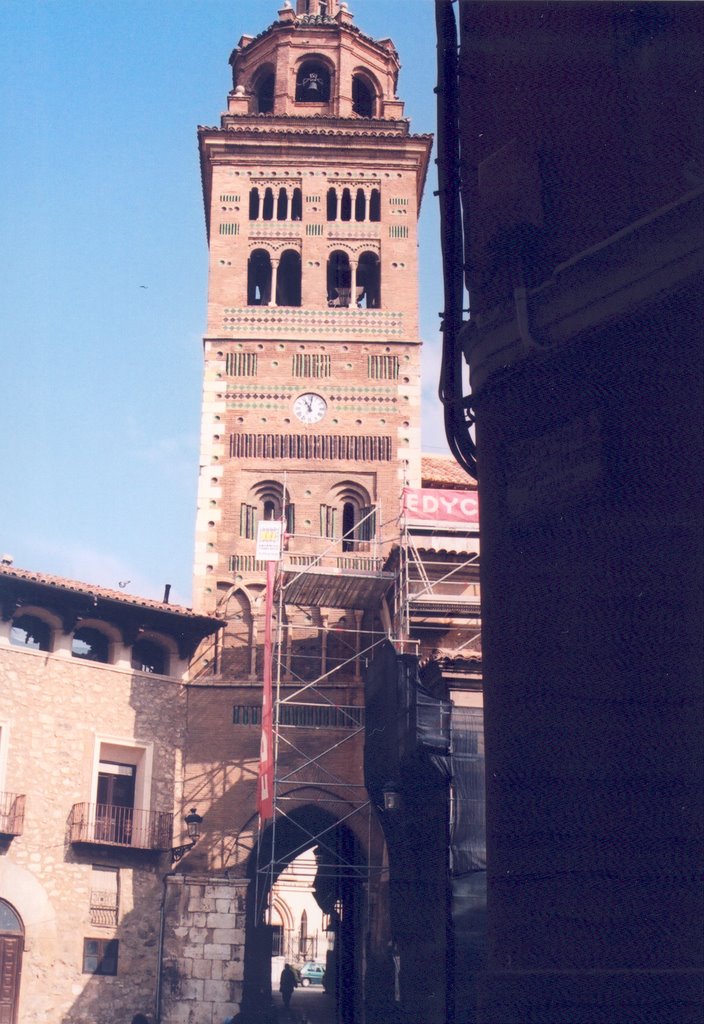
(418, 585)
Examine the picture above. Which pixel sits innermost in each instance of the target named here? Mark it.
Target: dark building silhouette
(582, 178)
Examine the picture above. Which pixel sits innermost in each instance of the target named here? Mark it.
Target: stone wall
(54, 712)
(203, 952)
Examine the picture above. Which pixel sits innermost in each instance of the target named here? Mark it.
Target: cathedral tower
(311, 397)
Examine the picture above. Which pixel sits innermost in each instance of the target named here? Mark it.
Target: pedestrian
(287, 983)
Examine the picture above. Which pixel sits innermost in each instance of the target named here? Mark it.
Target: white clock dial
(310, 408)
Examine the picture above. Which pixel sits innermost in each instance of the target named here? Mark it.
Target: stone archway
(339, 889)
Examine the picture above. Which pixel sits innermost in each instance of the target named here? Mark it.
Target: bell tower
(312, 185)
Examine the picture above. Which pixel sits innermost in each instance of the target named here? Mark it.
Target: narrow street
(308, 1006)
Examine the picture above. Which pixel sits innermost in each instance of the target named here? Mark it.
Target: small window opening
(282, 205)
(375, 205)
(348, 523)
(303, 935)
(297, 205)
(312, 83)
(31, 632)
(265, 95)
(100, 956)
(332, 204)
(269, 510)
(362, 98)
(259, 278)
(346, 205)
(288, 279)
(254, 204)
(268, 207)
(90, 644)
(339, 279)
(360, 205)
(148, 656)
(368, 281)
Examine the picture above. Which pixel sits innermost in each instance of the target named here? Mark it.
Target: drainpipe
(160, 948)
(458, 416)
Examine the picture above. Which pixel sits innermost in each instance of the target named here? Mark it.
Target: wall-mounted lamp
(392, 797)
(193, 823)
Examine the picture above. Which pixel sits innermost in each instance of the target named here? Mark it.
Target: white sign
(269, 540)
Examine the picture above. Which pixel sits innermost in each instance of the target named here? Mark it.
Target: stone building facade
(92, 733)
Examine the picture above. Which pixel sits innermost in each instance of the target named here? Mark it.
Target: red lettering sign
(424, 504)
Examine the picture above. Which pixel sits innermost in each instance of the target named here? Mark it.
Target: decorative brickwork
(310, 446)
(373, 323)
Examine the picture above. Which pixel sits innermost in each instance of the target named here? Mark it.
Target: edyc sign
(441, 506)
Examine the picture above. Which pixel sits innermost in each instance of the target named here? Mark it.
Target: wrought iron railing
(110, 825)
(11, 814)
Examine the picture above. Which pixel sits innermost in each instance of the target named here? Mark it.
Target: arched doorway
(339, 887)
(11, 946)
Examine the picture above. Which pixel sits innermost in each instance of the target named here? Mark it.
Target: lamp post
(193, 822)
(392, 797)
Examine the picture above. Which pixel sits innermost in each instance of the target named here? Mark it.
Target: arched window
(348, 524)
(91, 645)
(264, 502)
(375, 205)
(268, 206)
(297, 205)
(288, 279)
(362, 97)
(148, 656)
(332, 204)
(254, 204)
(360, 205)
(264, 94)
(312, 83)
(31, 632)
(346, 205)
(339, 279)
(349, 506)
(259, 278)
(303, 940)
(369, 281)
(237, 656)
(282, 205)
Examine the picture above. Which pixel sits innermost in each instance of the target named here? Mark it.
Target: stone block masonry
(203, 951)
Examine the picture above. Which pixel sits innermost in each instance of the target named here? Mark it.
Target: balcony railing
(11, 814)
(110, 825)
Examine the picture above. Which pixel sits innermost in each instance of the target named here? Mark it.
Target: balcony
(11, 814)
(127, 827)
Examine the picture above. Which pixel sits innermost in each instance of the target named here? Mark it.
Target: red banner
(425, 504)
(265, 781)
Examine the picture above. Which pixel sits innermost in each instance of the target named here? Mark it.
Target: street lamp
(193, 822)
(392, 797)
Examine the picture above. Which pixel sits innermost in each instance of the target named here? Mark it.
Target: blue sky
(103, 285)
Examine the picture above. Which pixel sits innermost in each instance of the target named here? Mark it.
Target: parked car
(312, 973)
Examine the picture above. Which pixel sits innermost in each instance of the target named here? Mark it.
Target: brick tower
(311, 416)
(311, 397)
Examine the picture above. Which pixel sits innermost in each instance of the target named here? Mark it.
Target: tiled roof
(77, 587)
(444, 471)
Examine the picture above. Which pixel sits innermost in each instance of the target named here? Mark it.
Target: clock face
(310, 408)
